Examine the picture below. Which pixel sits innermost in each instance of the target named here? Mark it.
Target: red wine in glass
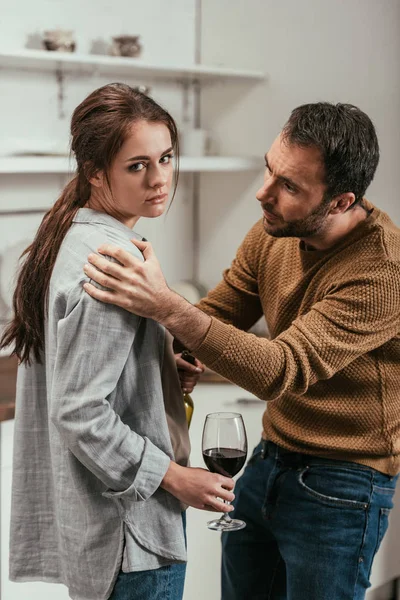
(224, 448)
(226, 461)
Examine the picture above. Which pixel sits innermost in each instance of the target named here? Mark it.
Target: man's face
(292, 196)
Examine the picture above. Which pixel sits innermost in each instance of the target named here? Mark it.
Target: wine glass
(224, 447)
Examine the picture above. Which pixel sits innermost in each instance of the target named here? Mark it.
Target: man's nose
(265, 191)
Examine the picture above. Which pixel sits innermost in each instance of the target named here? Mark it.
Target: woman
(101, 442)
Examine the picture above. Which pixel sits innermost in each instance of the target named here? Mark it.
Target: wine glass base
(231, 525)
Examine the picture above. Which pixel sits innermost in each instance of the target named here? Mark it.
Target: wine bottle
(187, 399)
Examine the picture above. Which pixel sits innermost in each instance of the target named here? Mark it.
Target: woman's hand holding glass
(224, 447)
(199, 488)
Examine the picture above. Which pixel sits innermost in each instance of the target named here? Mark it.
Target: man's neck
(337, 228)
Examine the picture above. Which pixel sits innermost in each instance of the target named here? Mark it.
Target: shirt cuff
(153, 467)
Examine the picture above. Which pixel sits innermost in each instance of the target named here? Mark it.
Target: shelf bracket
(60, 78)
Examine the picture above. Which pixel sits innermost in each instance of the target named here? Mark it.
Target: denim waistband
(286, 456)
(291, 459)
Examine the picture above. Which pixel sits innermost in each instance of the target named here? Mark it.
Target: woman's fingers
(188, 374)
(216, 502)
(184, 365)
(226, 494)
(199, 488)
(188, 383)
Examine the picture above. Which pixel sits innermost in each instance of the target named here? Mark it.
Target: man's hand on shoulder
(140, 288)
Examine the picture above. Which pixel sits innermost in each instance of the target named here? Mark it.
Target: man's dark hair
(347, 140)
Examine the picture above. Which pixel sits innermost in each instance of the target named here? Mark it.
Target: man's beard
(311, 225)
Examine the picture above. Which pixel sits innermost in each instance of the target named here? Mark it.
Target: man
(323, 266)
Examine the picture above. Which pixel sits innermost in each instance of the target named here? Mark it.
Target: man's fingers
(145, 248)
(99, 277)
(105, 265)
(102, 295)
(122, 256)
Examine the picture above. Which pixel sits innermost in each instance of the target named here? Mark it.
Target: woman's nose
(157, 177)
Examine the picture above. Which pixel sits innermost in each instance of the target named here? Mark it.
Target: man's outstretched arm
(352, 321)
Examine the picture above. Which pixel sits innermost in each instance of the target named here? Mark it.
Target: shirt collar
(88, 215)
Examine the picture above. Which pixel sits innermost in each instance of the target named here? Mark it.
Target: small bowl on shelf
(126, 45)
(59, 40)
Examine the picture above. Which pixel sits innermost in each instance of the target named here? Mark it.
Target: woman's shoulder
(84, 238)
(81, 240)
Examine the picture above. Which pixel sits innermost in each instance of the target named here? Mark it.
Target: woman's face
(140, 176)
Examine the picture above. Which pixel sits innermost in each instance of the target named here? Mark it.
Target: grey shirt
(137, 558)
(91, 439)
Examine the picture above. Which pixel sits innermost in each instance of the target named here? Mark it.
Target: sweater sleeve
(352, 319)
(235, 300)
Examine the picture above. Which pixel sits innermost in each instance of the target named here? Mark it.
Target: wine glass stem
(225, 517)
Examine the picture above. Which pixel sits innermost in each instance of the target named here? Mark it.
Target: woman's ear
(97, 179)
(94, 177)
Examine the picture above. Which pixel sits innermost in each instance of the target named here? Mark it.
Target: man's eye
(136, 167)
(289, 188)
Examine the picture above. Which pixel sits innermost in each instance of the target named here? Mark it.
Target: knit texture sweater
(331, 368)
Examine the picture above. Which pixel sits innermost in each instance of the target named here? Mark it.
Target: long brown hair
(99, 127)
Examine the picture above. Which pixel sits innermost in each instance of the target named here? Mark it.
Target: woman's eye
(136, 167)
(167, 158)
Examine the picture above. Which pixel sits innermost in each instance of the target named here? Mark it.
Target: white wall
(333, 50)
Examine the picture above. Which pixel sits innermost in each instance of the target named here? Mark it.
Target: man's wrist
(169, 307)
(184, 321)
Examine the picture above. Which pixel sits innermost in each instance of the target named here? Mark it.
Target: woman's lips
(157, 199)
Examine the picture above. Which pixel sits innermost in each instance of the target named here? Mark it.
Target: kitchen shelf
(187, 164)
(118, 65)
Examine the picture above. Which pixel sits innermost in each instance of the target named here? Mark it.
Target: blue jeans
(313, 528)
(165, 583)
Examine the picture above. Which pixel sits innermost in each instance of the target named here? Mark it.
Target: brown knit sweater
(331, 371)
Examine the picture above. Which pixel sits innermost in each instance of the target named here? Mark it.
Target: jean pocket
(384, 491)
(383, 525)
(336, 486)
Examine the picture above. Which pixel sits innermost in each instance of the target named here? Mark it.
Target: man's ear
(341, 203)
